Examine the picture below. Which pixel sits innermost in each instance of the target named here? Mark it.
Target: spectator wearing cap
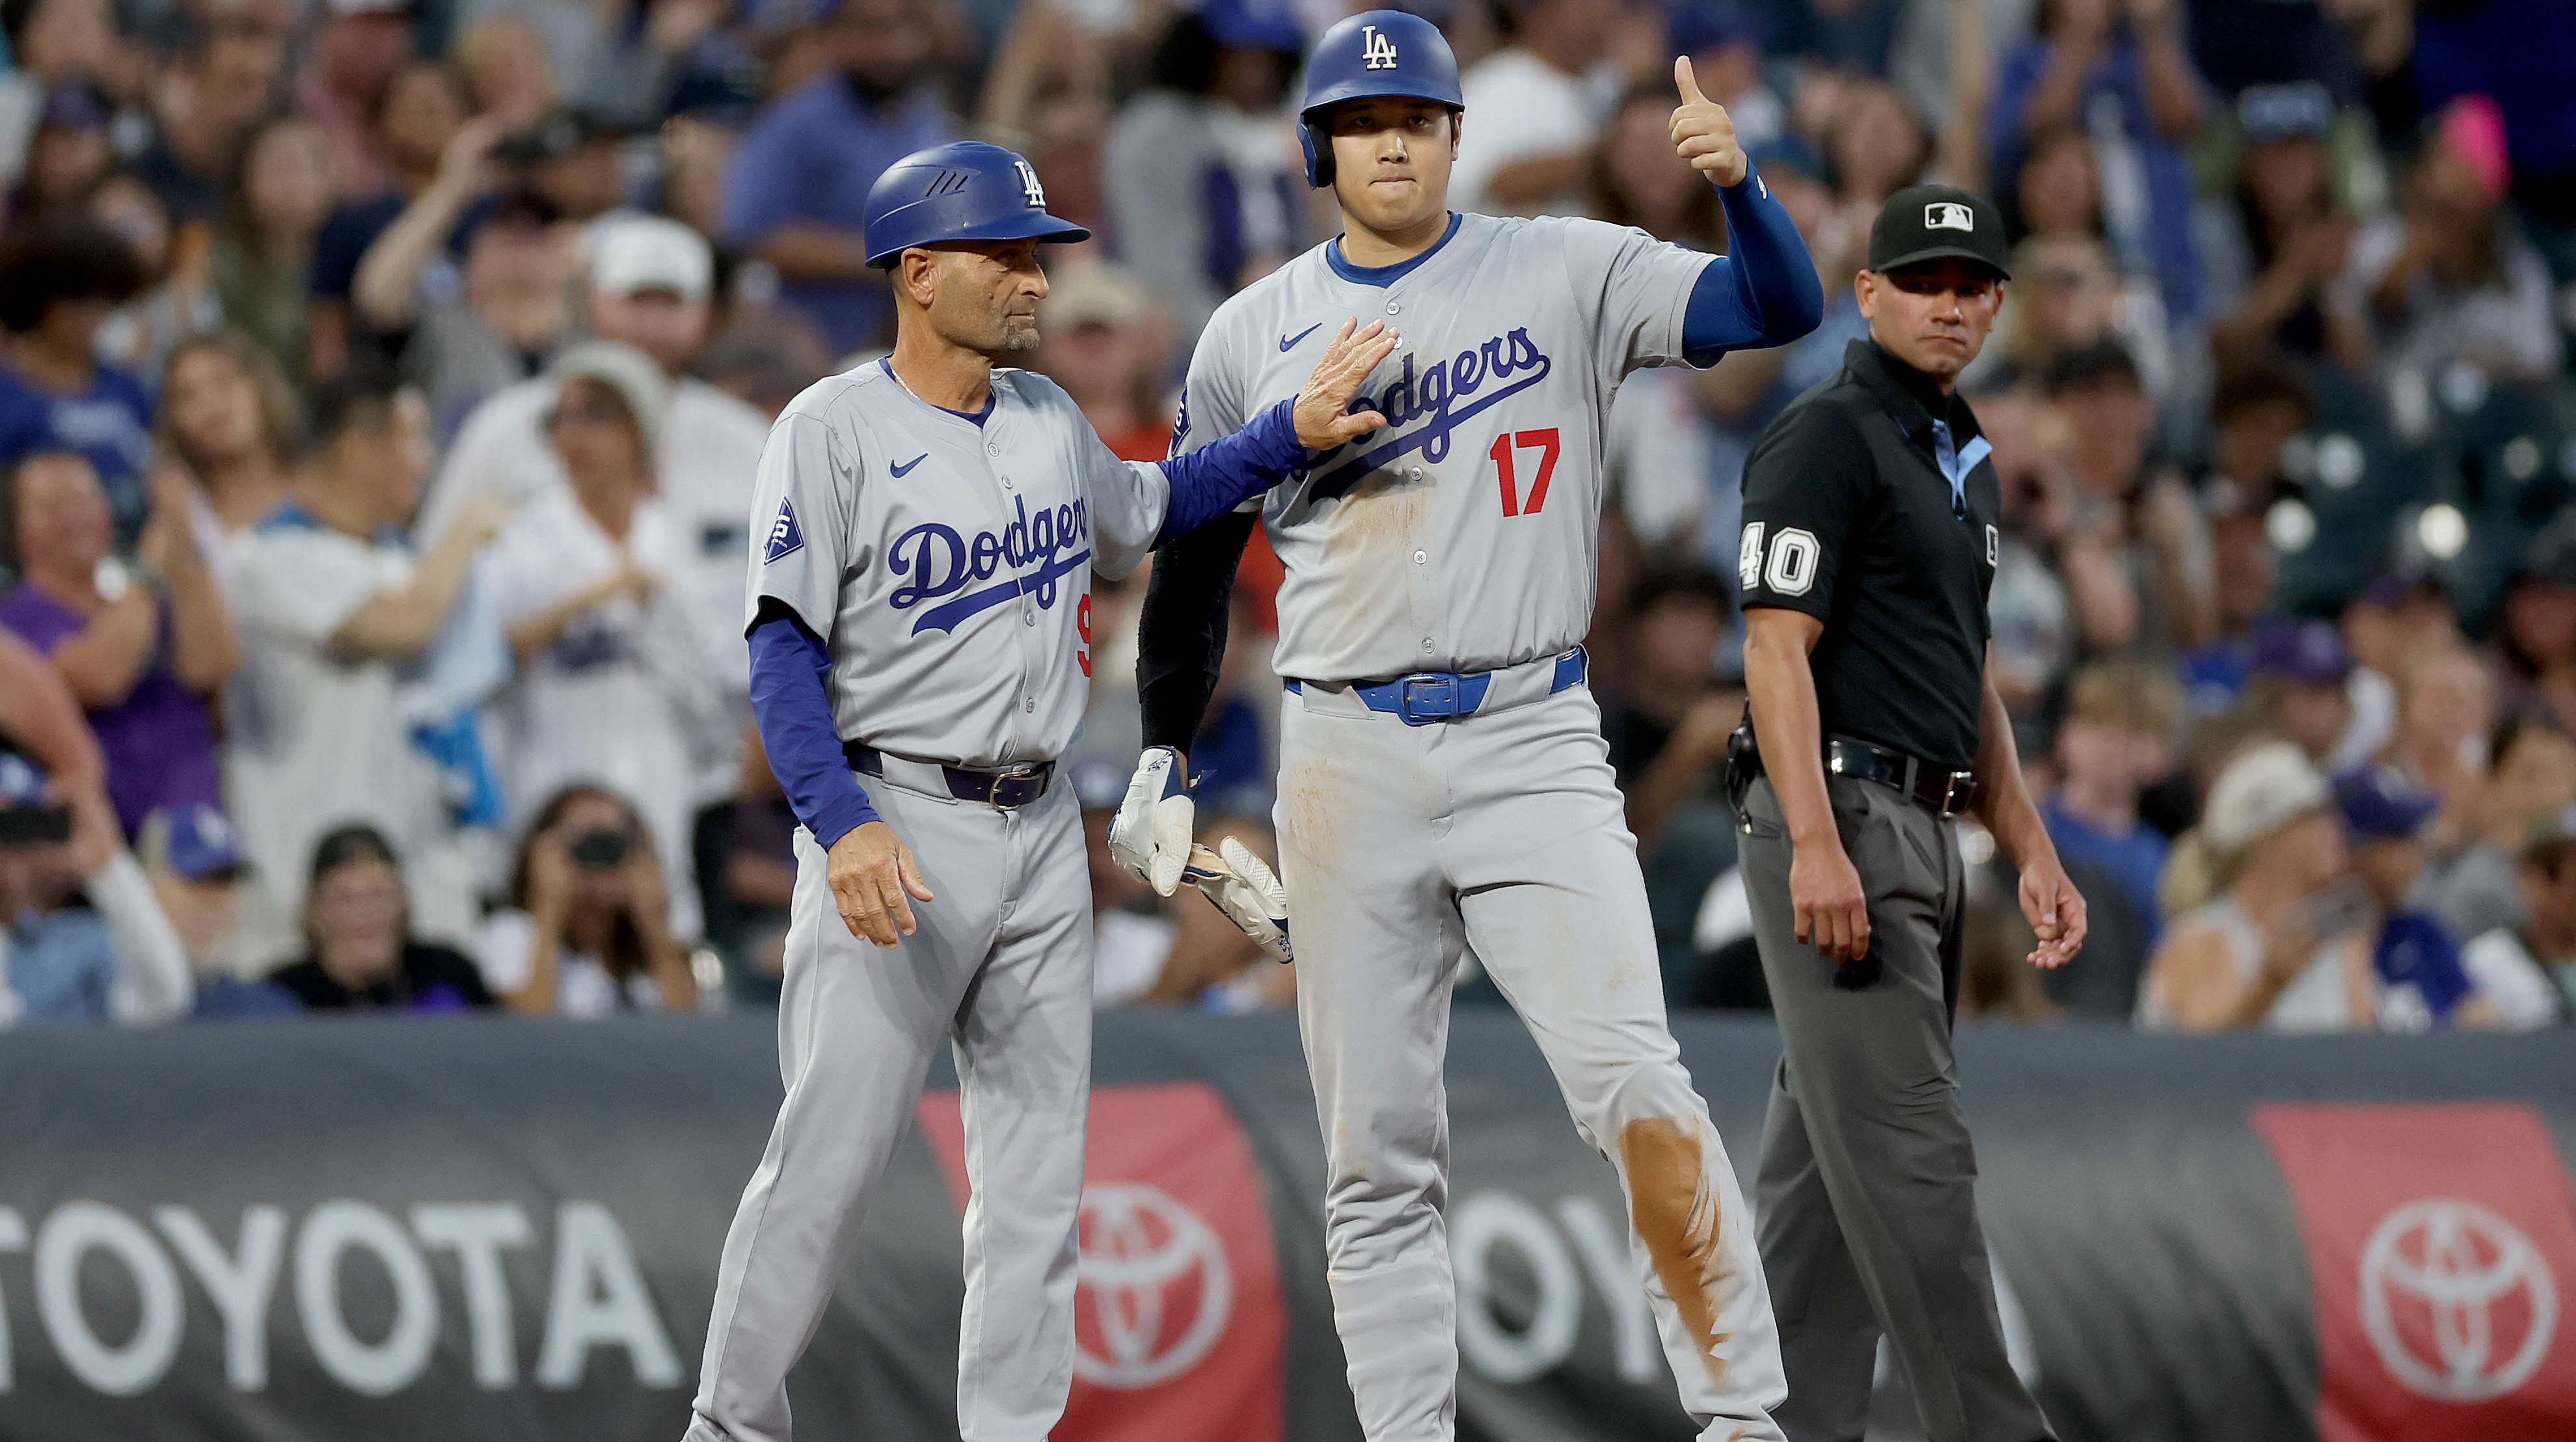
(1131, 936)
(1105, 345)
(1536, 109)
(2528, 969)
(262, 261)
(612, 688)
(58, 282)
(651, 283)
(2117, 71)
(494, 320)
(409, 127)
(115, 959)
(1202, 195)
(2276, 244)
(140, 652)
(173, 302)
(359, 953)
(2299, 683)
(67, 156)
(2280, 947)
(193, 859)
(2530, 776)
(2423, 983)
(2535, 643)
(2451, 278)
(799, 182)
(331, 602)
(2136, 548)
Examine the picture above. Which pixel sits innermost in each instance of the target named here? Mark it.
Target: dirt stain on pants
(1674, 1210)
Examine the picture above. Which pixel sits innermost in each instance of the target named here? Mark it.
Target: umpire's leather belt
(1428, 696)
(1008, 788)
(1944, 790)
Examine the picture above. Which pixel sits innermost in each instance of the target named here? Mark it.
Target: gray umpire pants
(1866, 1195)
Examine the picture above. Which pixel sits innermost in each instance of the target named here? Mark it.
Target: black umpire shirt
(1849, 518)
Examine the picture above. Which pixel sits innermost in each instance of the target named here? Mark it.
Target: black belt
(1011, 787)
(1944, 790)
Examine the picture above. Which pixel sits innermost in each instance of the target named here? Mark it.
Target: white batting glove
(1246, 891)
(1150, 840)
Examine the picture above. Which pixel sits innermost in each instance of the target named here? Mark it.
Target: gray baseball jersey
(947, 563)
(1461, 537)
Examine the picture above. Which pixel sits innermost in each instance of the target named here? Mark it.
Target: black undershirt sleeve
(1180, 633)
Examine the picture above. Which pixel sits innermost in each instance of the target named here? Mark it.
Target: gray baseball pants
(1000, 967)
(1867, 1183)
(1401, 847)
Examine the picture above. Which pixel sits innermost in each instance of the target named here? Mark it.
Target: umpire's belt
(1012, 786)
(1427, 696)
(1944, 790)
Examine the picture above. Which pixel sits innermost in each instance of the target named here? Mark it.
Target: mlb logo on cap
(1949, 215)
(1924, 223)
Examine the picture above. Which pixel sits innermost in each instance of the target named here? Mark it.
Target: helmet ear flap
(1317, 140)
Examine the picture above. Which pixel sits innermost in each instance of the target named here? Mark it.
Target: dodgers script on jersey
(1463, 536)
(948, 564)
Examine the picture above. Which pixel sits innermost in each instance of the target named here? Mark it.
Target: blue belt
(1427, 696)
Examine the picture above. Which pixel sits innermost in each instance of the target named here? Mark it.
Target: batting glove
(1150, 839)
(1246, 891)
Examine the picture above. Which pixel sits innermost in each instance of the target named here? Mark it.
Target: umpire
(1869, 542)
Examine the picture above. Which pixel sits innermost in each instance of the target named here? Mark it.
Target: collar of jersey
(1383, 276)
(1909, 394)
(972, 418)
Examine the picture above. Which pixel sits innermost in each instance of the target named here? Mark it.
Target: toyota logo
(2459, 1304)
(1155, 1290)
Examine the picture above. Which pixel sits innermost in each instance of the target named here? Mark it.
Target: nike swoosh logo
(1288, 343)
(906, 468)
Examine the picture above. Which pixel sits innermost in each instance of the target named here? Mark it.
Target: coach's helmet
(965, 191)
(1376, 52)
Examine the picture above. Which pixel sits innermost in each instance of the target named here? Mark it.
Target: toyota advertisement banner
(496, 1229)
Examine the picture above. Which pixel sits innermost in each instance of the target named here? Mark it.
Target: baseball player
(1443, 782)
(920, 648)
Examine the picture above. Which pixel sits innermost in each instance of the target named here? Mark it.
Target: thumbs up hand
(1702, 132)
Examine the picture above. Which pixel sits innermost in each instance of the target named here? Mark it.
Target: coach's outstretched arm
(1764, 291)
(1216, 478)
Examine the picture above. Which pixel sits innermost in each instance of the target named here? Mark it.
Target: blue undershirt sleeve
(791, 701)
(1763, 291)
(1219, 476)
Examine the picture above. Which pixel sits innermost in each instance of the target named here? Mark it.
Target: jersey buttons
(1393, 309)
(1421, 556)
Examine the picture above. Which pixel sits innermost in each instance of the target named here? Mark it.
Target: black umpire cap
(1934, 222)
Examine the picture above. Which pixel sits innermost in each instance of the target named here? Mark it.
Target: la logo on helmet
(1377, 50)
(1029, 185)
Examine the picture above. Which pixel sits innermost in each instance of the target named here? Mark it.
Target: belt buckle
(1017, 785)
(1438, 698)
(1957, 793)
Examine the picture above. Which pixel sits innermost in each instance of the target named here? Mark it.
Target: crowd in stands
(381, 383)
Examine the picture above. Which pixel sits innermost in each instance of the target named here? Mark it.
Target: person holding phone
(586, 933)
(115, 959)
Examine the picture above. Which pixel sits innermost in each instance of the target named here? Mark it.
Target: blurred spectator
(2396, 617)
(69, 154)
(115, 959)
(2445, 710)
(228, 415)
(612, 687)
(1212, 965)
(2452, 278)
(586, 932)
(176, 298)
(57, 284)
(195, 865)
(2115, 70)
(359, 953)
(2027, 607)
(1204, 187)
(1668, 720)
(1100, 340)
(2067, 297)
(651, 283)
(1633, 179)
(799, 182)
(56, 42)
(1724, 42)
(263, 256)
(138, 652)
(331, 602)
(494, 322)
(1875, 145)
(39, 717)
(2536, 639)
(1536, 109)
(1131, 936)
(2115, 741)
(2298, 685)
(510, 66)
(659, 58)
(360, 50)
(2422, 979)
(2255, 413)
(2529, 967)
(2277, 242)
(576, 159)
(410, 127)
(747, 914)
(2136, 550)
(2280, 947)
(2513, 49)
(2471, 883)
(228, 74)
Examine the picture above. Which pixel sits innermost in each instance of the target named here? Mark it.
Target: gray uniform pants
(1867, 1184)
(1001, 967)
(1401, 846)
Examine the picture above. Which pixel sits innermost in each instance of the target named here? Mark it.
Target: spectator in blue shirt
(58, 282)
(2115, 741)
(799, 183)
(193, 857)
(115, 959)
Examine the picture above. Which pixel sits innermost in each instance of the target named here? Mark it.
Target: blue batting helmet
(1376, 52)
(965, 191)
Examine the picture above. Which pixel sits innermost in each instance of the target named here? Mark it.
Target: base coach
(1870, 512)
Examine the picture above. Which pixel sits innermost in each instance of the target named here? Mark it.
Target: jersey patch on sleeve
(786, 538)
